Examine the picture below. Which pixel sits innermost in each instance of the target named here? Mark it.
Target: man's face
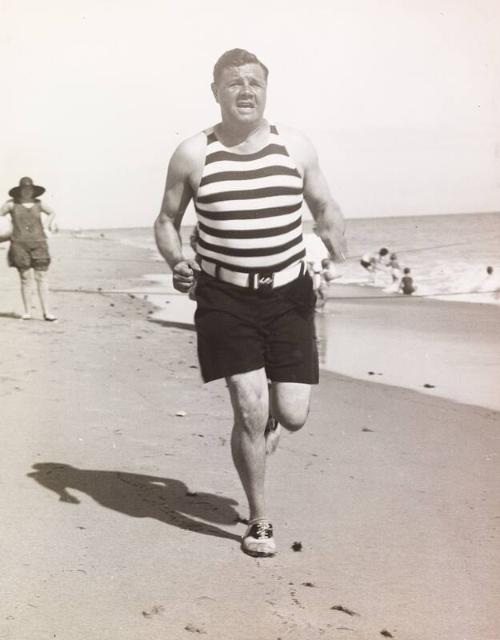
(241, 93)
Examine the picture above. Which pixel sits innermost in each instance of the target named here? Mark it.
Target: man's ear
(215, 92)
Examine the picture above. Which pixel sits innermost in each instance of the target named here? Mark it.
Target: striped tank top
(249, 208)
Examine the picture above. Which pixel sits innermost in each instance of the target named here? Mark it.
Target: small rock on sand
(193, 629)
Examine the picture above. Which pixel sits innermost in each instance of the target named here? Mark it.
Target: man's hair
(236, 58)
(407, 270)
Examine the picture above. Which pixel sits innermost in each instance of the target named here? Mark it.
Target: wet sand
(120, 518)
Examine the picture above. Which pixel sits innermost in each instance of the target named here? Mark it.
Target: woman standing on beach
(29, 250)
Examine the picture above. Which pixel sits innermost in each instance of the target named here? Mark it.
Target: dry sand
(119, 518)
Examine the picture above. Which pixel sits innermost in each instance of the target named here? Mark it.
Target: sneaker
(258, 540)
(49, 317)
(272, 435)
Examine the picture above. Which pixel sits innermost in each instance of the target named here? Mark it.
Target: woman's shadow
(141, 496)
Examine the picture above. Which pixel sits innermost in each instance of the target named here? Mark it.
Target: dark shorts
(365, 264)
(27, 255)
(242, 330)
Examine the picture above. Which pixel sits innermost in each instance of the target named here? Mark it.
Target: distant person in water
(490, 283)
(29, 251)
(406, 285)
(327, 274)
(374, 262)
(394, 268)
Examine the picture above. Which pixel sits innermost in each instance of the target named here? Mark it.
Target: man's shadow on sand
(141, 496)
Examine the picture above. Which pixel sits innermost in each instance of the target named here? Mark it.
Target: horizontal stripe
(272, 216)
(234, 165)
(252, 252)
(249, 194)
(254, 265)
(250, 205)
(250, 233)
(251, 187)
(263, 172)
(250, 243)
(269, 149)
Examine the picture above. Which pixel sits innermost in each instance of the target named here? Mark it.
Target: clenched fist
(184, 274)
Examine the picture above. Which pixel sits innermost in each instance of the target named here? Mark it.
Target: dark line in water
(417, 249)
(133, 292)
(393, 296)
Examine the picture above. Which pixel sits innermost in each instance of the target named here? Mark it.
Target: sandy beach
(122, 518)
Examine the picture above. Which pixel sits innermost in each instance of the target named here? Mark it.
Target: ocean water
(447, 254)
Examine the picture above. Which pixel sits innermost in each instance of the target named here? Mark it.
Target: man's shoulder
(298, 143)
(191, 150)
(293, 135)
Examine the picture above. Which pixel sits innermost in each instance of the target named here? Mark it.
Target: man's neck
(232, 135)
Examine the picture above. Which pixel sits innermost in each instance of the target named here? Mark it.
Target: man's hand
(184, 275)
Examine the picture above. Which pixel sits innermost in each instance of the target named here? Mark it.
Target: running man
(29, 251)
(255, 303)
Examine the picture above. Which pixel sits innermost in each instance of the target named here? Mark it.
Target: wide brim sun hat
(15, 192)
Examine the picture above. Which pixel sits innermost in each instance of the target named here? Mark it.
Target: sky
(400, 97)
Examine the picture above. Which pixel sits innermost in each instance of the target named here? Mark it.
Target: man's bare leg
(251, 405)
(250, 400)
(292, 406)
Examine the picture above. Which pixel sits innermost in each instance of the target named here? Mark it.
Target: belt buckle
(264, 280)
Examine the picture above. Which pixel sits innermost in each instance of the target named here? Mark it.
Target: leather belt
(260, 280)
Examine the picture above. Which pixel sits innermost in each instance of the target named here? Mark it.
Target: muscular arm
(178, 193)
(330, 224)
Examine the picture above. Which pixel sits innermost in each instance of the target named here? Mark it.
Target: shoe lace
(263, 528)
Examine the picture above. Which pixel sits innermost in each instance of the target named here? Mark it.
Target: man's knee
(293, 420)
(250, 401)
(290, 404)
